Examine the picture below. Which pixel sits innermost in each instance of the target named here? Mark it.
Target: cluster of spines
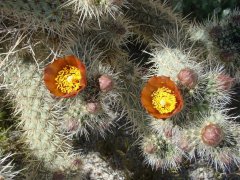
(147, 15)
(7, 168)
(95, 8)
(97, 168)
(35, 14)
(27, 26)
(221, 38)
(161, 152)
(113, 33)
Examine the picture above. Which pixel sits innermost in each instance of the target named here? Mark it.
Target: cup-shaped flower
(65, 77)
(161, 97)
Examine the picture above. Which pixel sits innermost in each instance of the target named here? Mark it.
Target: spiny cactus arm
(38, 117)
(200, 82)
(220, 37)
(35, 15)
(152, 17)
(98, 107)
(160, 152)
(130, 95)
(35, 22)
(215, 138)
(113, 33)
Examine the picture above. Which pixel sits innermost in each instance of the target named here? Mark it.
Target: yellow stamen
(164, 100)
(68, 79)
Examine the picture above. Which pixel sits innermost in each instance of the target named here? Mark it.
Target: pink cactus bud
(150, 148)
(93, 107)
(72, 125)
(77, 163)
(105, 83)
(188, 77)
(57, 176)
(212, 135)
(168, 132)
(225, 81)
(184, 145)
(1, 177)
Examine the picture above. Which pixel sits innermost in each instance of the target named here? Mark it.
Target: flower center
(68, 79)
(164, 100)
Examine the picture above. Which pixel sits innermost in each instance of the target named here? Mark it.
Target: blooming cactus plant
(67, 69)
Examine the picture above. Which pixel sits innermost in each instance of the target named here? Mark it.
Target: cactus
(68, 70)
(221, 39)
(204, 89)
(215, 138)
(38, 114)
(95, 110)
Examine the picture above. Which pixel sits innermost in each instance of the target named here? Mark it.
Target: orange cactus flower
(161, 97)
(65, 77)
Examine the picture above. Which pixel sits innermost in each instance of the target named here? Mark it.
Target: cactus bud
(72, 125)
(77, 163)
(188, 77)
(105, 83)
(184, 145)
(212, 135)
(225, 81)
(150, 148)
(93, 107)
(168, 132)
